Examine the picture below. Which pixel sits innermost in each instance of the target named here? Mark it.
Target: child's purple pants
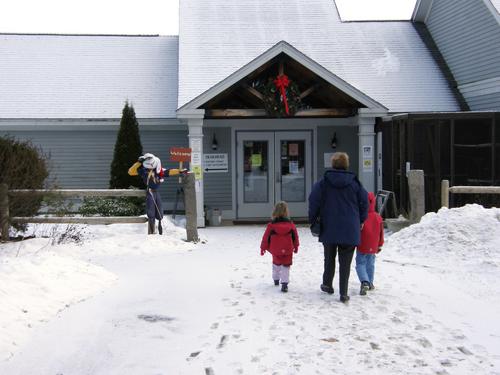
(281, 273)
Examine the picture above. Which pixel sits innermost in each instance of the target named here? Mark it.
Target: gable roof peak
(286, 48)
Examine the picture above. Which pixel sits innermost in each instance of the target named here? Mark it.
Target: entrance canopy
(256, 90)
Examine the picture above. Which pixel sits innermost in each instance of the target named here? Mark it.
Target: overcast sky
(145, 16)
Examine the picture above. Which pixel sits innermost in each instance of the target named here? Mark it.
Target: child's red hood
(371, 202)
(282, 227)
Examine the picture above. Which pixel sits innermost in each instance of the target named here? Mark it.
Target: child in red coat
(281, 240)
(372, 239)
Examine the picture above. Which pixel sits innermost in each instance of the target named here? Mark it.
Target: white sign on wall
(195, 158)
(327, 162)
(367, 152)
(195, 145)
(215, 163)
(367, 165)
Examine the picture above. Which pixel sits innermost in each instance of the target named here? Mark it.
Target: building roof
(287, 49)
(423, 8)
(387, 61)
(70, 76)
(496, 4)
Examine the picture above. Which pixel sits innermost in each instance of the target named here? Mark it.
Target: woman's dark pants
(345, 258)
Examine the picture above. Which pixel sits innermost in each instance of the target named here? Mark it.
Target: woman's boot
(151, 226)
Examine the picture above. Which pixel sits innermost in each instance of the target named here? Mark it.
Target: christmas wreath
(281, 96)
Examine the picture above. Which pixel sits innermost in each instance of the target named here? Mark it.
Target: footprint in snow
(421, 327)
(424, 342)
(375, 346)
(395, 319)
(223, 341)
(155, 318)
(464, 350)
(446, 363)
(193, 355)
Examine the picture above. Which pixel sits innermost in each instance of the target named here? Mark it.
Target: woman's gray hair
(340, 160)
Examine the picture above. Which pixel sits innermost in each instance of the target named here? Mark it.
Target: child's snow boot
(276, 282)
(365, 285)
(371, 287)
(284, 287)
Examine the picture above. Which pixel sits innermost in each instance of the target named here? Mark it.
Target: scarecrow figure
(149, 168)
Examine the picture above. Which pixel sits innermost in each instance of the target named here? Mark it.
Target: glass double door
(272, 167)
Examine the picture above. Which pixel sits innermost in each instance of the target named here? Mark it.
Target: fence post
(190, 208)
(445, 193)
(4, 211)
(416, 187)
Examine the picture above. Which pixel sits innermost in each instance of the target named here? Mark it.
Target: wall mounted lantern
(215, 144)
(333, 142)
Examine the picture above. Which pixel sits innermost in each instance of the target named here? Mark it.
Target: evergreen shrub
(123, 206)
(23, 166)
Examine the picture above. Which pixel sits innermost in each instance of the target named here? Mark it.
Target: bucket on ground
(214, 217)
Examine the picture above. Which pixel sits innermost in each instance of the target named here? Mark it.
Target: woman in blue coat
(341, 204)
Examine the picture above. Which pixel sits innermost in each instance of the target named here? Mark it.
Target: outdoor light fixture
(215, 144)
(334, 140)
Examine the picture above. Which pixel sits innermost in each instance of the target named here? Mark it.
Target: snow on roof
(496, 4)
(386, 60)
(75, 76)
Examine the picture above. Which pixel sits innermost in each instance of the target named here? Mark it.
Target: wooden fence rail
(5, 219)
(81, 192)
(446, 190)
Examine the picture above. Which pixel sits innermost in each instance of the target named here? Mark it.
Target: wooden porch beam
(315, 112)
(235, 113)
(308, 91)
(326, 112)
(254, 92)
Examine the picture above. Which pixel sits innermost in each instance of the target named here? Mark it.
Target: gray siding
(468, 36)
(218, 186)
(485, 102)
(347, 141)
(77, 159)
(82, 158)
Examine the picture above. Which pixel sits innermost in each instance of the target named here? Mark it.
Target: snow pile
(465, 239)
(117, 239)
(42, 276)
(34, 286)
(471, 230)
(132, 239)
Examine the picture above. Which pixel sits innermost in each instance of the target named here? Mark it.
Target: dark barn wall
(463, 148)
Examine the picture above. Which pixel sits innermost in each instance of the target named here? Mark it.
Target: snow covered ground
(123, 302)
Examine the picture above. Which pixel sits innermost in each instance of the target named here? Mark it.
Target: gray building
(212, 88)
(467, 34)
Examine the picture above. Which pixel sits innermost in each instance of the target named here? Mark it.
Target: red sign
(180, 154)
(293, 149)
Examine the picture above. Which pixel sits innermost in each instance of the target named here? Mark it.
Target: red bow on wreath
(282, 83)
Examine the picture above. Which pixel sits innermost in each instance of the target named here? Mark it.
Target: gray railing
(446, 190)
(5, 219)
